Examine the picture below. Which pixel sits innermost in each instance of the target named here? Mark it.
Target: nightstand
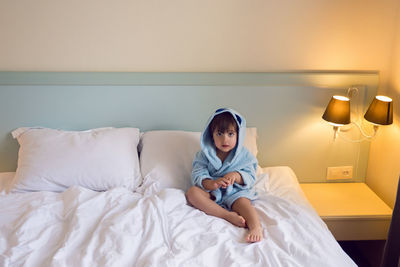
(352, 211)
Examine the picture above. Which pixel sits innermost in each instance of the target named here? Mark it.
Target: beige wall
(209, 35)
(384, 161)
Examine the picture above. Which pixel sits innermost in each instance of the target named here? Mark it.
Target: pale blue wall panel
(285, 107)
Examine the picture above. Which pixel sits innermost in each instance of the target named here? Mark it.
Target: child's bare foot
(254, 235)
(236, 219)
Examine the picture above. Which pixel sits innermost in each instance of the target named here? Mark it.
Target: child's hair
(222, 122)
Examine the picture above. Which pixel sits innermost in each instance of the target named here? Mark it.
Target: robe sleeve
(247, 171)
(200, 170)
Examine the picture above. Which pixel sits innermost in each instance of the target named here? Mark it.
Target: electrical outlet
(340, 173)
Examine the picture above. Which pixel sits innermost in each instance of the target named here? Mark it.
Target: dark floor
(366, 253)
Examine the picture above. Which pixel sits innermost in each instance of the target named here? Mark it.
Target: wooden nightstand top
(345, 200)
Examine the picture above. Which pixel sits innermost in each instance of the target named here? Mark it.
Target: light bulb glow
(383, 98)
(335, 124)
(340, 97)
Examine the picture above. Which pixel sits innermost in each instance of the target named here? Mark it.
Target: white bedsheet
(80, 227)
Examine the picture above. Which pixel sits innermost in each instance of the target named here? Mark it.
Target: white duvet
(154, 227)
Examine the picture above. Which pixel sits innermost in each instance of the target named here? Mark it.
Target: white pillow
(6, 179)
(98, 159)
(166, 157)
(282, 182)
(250, 140)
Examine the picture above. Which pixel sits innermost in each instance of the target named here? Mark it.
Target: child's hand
(209, 184)
(233, 177)
(228, 179)
(223, 182)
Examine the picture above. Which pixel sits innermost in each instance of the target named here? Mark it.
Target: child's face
(225, 141)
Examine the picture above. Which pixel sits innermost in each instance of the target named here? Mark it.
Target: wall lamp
(337, 113)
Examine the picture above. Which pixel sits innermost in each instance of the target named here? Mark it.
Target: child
(224, 172)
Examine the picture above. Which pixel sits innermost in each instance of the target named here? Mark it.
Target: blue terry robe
(207, 164)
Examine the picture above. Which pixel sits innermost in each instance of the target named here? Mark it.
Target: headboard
(286, 108)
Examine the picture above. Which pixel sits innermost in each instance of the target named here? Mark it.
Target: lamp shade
(338, 110)
(380, 111)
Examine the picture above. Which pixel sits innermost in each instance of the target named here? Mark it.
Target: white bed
(152, 224)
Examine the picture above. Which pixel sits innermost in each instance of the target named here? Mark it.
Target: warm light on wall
(337, 113)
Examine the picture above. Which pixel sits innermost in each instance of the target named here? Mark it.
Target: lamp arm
(352, 91)
(365, 136)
